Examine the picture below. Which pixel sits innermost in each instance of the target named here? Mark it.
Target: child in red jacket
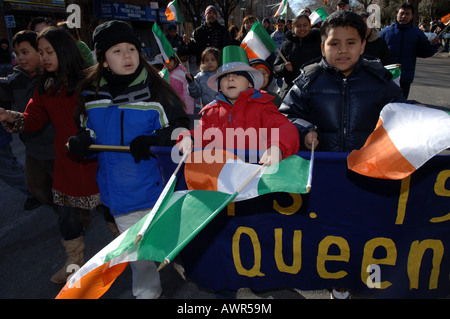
(242, 117)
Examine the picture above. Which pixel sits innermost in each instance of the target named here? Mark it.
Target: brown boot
(113, 228)
(75, 256)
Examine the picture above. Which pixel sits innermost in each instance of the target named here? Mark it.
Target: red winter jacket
(253, 122)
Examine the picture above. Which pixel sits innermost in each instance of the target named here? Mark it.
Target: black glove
(140, 147)
(79, 144)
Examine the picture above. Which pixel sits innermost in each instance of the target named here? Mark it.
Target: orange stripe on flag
(202, 172)
(169, 15)
(251, 54)
(446, 19)
(94, 284)
(379, 157)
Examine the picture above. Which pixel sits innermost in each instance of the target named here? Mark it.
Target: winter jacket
(73, 178)
(407, 42)
(199, 88)
(177, 79)
(298, 52)
(376, 47)
(19, 88)
(344, 110)
(125, 185)
(253, 112)
(204, 36)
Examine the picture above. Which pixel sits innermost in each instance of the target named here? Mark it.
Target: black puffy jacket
(343, 110)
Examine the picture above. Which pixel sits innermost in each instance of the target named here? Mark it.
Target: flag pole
(153, 212)
(311, 167)
(281, 55)
(177, 249)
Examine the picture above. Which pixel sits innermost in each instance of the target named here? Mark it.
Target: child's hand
(309, 138)
(273, 155)
(5, 116)
(189, 77)
(186, 145)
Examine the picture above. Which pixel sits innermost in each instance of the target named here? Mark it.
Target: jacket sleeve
(278, 66)
(285, 136)
(424, 47)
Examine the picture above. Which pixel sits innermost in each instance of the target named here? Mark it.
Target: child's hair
(69, 27)
(25, 36)
(209, 50)
(343, 18)
(71, 64)
(175, 60)
(39, 20)
(294, 22)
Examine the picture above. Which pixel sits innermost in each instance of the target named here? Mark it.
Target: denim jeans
(11, 171)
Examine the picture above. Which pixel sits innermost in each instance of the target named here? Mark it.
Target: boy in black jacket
(337, 101)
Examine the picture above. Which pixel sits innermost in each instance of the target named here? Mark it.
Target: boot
(113, 228)
(75, 256)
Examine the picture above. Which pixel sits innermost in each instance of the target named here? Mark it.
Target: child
(177, 79)
(341, 96)
(197, 85)
(241, 106)
(75, 191)
(126, 102)
(266, 70)
(18, 89)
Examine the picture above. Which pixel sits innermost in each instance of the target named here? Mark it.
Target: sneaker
(31, 203)
(340, 294)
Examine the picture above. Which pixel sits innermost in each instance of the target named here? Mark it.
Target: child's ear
(105, 64)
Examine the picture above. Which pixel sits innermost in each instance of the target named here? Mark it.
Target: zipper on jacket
(344, 119)
(122, 115)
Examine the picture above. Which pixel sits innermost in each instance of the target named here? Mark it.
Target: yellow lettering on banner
(440, 190)
(439, 186)
(290, 210)
(296, 252)
(415, 261)
(256, 269)
(402, 200)
(390, 259)
(322, 256)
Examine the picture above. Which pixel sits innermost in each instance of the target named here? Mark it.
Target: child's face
(342, 48)
(266, 76)
(27, 57)
(122, 59)
(48, 55)
(210, 62)
(232, 84)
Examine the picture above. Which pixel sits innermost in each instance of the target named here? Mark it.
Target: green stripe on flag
(278, 178)
(262, 34)
(164, 45)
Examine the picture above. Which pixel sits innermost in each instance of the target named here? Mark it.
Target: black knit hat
(111, 33)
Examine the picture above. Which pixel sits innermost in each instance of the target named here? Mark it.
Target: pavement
(30, 248)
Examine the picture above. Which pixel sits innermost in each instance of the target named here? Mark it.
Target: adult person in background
(407, 42)
(6, 66)
(210, 34)
(302, 46)
(343, 5)
(266, 25)
(278, 35)
(247, 24)
(174, 38)
(376, 46)
(39, 24)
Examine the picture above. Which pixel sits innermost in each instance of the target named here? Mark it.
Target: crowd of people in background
(45, 71)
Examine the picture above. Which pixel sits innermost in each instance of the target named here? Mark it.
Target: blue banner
(123, 11)
(381, 238)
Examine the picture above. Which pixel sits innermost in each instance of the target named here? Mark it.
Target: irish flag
(405, 137)
(318, 16)
(257, 43)
(164, 45)
(173, 12)
(282, 9)
(175, 220)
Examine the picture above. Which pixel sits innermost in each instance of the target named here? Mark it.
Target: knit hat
(235, 60)
(209, 8)
(111, 33)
